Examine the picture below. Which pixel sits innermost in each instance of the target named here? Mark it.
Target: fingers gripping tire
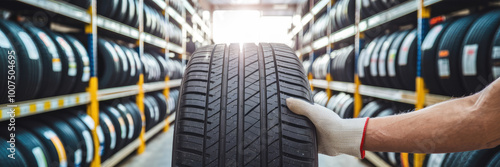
(232, 109)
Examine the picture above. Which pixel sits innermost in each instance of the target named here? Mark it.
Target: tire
(374, 61)
(6, 49)
(382, 61)
(81, 3)
(121, 11)
(89, 122)
(475, 66)
(107, 7)
(448, 56)
(407, 61)
(27, 55)
(83, 133)
(108, 65)
(435, 160)
(136, 114)
(51, 63)
(35, 153)
(50, 141)
(429, 59)
(68, 138)
(128, 119)
(495, 160)
(495, 55)
(5, 160)
(236, 133)
(392, 57)
(119, 124)
(124, 71)
(82, 62)
(110, 137)
(68, 61)
(366, 61)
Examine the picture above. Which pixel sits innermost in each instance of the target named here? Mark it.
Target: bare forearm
(446, 127)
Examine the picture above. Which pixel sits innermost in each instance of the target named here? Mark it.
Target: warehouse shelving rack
(93, 95)
(420, 98)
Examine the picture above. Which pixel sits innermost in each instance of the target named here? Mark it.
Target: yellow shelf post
(93, 106)
(424, 13)
(140, 96)
(166, 93)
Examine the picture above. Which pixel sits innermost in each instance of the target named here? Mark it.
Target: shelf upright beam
(93, 106)
(183, 55)
(424, 14)
(166, 91)
(312, 57)
(140, 96)
(359, 40)
(329, 48)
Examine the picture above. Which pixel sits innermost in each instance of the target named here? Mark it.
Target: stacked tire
(340, 65)
(56, 62)
(458, 56)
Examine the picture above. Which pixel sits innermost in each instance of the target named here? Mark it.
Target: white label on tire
(495, 54)
(41, 161)
(59, 147)
(88, 121)
(112, 133)
(430, 39)
(444, 67)
(72, 69)
(90, 145)
(78, 157)
(130, 126)
(436, 160)
(86, 74)
(391, 67)
(56, 65)
(4, 41)
(85, 59)
(469, 58)
(373, 65)
(30, 46)
(405, 49)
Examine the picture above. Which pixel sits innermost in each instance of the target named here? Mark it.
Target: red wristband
(363, 139)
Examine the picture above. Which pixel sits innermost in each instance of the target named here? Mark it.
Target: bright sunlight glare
(248, 26)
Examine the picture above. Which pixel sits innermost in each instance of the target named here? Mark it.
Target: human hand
(335, 135)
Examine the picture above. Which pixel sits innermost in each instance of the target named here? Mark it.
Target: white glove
(335, 135)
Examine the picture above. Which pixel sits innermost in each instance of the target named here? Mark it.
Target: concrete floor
(159, 150)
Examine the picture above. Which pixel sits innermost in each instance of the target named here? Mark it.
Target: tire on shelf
(374, 61)
(51, 63)
(495, 160)
(475, 69)
(82, 62)
(429, 58)
(49, 139)
(136, 114)
(131, 15)
(383, 77)
(6, 49)
(208, 80)
(107, 7)
(83, 134)
(407, 61)
(124, 71)
(121, 12)
(26, 55)
(132, 75)
(118, 123)
(5, 159)
(392, 60)
(68, 61)
(366, 61)
(128, 119)
(110, 138)
(68, 139)
(81, 3)
(108, 64)
(435, 160)
(89, 122)
(162, 104)
(347, 111)
(448, 56)
(31, 148)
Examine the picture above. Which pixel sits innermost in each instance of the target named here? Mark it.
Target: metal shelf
(62, 8)
(397, 95)
(375, 160)
(195, 17)
(131, 147)
(38, 106)
(117, 27)
(154, 40)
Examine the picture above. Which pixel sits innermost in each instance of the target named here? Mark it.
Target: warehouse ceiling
(240, 2)
(268, 7)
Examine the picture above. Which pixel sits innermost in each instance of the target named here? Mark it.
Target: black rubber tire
(132, 75)
(107, 7)
(110, 137)
(435, 160)
(121, 12)
(366, 61)
(50, 140)
(68, 138)
(392, 60)
(151, 112)
(119, 124)
(5, 160)
(108, 65)
(89, 122)
(162, 104)
(128, 119)
(131, 17)
(495, 160)
(449, 51)
(429, 58)
(82, 62)
(68, 61)
(383, 77)
(31, 147)
(253, 126)
(50, 61)
(83, 134)
(124, 72)
(373, 67)
(476, 71)
(478, 157)
(407, 61)
(6, 49)
(27, 55)
(81, 3)
(136, 114)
